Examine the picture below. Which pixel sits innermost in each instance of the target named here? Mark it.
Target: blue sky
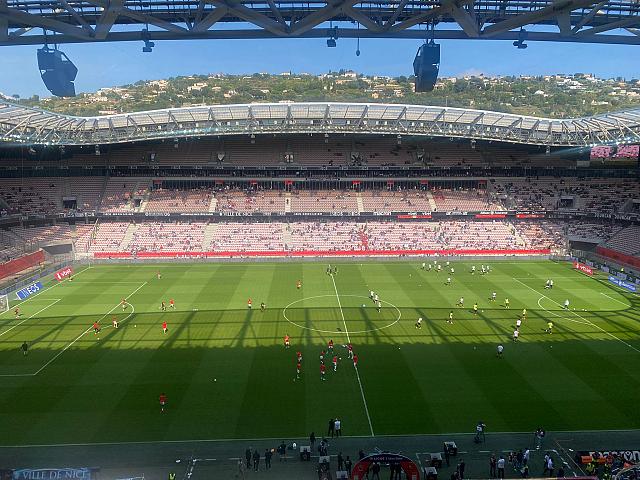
(111, 64)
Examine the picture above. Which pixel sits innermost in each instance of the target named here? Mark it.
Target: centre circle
(351, 332)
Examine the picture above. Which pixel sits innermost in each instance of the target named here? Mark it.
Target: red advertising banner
(19, 264)
(64, 273)
(318, 253)
(617, 256)
(583, 268)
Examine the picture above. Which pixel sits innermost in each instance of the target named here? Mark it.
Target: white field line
(76, 339)
(560, 316)
(30, 317)
(346, 330)
(615, 300)
(42, 291)
(581, 317)
(90, 328)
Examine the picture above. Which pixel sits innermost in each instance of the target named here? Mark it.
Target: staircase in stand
(286, 235)
(359, 202)
(213, 205)
(128, 237)
(432, 202)
(287, 203)
(207, 239)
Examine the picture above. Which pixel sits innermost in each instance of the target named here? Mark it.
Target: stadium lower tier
(348, 237)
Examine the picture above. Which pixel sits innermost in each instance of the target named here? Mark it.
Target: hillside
(559, 96)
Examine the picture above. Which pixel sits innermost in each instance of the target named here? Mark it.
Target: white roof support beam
(141, 17)
(465, 17)
(22, 17)
(609, 26)
(108, 18)
(319, 16)
(550, 11)
(207, 22)
(589, 16)
(252, 16)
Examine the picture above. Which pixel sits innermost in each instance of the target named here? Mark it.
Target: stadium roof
(26, 125)
(90, 21)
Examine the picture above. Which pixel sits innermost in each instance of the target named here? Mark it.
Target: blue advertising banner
(54, 474)
(621, 283)
(30, 290)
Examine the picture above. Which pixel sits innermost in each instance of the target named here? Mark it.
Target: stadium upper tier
(26, 125)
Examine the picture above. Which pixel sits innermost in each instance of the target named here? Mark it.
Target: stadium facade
(310, 179)
(27, 125)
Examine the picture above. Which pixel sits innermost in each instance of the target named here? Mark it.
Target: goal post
(4, 303)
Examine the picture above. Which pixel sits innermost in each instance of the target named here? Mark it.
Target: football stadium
(301, 290)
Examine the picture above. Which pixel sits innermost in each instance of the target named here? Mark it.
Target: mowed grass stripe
(110, 387)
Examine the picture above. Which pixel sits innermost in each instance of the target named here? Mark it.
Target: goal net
(4, 303)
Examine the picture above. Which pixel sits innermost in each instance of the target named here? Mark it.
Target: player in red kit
(287, 341)
(298, 369)
(323, 369)
(299, 356)
(164, 327)
(123, 302)
(172, 304)
(17, 312)
(163, 402)
(355, 360)
(96, 328)
(330, 347)
(350, 350)
(335, 363)
(322, 356)
(249, 304)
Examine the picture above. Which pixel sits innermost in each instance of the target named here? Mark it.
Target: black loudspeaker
(426, 66)
(57, 72)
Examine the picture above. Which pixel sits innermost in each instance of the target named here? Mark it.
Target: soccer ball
(215, 379)
(135, 326)
(363, 305)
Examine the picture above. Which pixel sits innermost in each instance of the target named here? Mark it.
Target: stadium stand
(394, 201)
(187, 201)
(464, 201)
(32, 195)
(166, 237)
(118, 195)
(626, 241)
(246, 201)
(324, 201)
(108, 237)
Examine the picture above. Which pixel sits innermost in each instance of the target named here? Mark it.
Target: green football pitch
(227, 375)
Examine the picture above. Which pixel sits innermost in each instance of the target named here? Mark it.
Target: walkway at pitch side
(199, 460)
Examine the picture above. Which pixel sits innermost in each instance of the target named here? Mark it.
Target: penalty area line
(31, 316)
(89, 329)
(346, 330)
(44, 290)
(57, 355)
(581, 317)
(615, 300)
